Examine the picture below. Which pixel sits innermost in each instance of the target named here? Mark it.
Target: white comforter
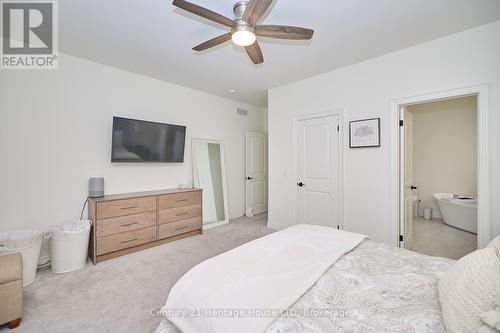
(245, 289)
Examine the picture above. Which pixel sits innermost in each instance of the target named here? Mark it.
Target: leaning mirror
(209, 174)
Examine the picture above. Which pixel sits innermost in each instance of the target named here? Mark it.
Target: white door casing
(318, 170)
(406, 137)
(484, 210)
(256, 173)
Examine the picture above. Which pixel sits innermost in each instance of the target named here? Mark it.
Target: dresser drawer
(179, 213)
(179, 200)
(125, 240)
(115, 225)
(125, 207)
(179, 227)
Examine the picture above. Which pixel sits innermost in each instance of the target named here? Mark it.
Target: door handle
(129, 241)
(131, 207)
(249, 178)
(413, 187)
(301, 184)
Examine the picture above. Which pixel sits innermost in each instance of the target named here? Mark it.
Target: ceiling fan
(244, 28)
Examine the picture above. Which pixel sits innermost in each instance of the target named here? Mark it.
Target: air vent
(242, 112)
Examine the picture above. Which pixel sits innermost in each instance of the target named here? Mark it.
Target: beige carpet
(118, 295)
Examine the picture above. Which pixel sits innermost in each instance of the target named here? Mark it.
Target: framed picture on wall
(364, 133)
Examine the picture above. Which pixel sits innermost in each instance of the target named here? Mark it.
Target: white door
(318, 171)
(407, 178)
(256, 173)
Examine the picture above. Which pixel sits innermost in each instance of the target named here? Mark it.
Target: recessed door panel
(258, 158)
(318, 205)
(317, 147)
(258, 193)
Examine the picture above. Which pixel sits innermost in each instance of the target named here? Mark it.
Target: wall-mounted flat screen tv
(146, 141)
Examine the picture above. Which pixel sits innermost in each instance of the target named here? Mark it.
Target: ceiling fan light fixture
(243, 35)
(243, 38)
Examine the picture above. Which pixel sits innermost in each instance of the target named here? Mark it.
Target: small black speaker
(96, 187)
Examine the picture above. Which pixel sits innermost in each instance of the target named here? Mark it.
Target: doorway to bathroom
(400, 228)
(439, 162)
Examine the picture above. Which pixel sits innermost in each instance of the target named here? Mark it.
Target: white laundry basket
(28, 243)
(68, 245)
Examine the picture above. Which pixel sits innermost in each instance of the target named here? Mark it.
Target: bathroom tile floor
(435, 238)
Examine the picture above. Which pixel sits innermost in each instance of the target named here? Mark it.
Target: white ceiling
(154, 38)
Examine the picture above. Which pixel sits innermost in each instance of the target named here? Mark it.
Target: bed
(374, 288)
(371, 288)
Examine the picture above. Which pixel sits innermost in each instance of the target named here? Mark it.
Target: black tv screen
(146, 141)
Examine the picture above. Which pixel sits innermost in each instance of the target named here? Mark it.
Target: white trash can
(68, 245)
(427, 213)
(28, 243)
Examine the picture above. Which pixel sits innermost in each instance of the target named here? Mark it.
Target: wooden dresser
(125, 223)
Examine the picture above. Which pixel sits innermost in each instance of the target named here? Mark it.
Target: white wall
(444, 149)
(365, 90)
(265, 120)
(55, 133)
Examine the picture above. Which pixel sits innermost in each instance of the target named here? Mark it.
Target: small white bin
(28, 243)
(427, 213)
(68, 245)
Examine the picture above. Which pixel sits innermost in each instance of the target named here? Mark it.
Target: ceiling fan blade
(283, 32)
(255, 10)
(255, 53)
(213, 42)
(203, 12)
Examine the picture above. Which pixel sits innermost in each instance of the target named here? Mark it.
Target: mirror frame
(196, 180)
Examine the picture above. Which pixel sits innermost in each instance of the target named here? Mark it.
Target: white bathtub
(458, 213)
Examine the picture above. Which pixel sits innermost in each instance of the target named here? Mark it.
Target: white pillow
(491, 319)
(469, 289)
(495, 244)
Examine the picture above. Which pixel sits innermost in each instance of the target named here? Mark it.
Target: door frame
(484, 222)
(266, 157)
(340, 114)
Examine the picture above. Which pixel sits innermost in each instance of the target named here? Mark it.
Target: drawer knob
(181, 214)
(181, 200)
